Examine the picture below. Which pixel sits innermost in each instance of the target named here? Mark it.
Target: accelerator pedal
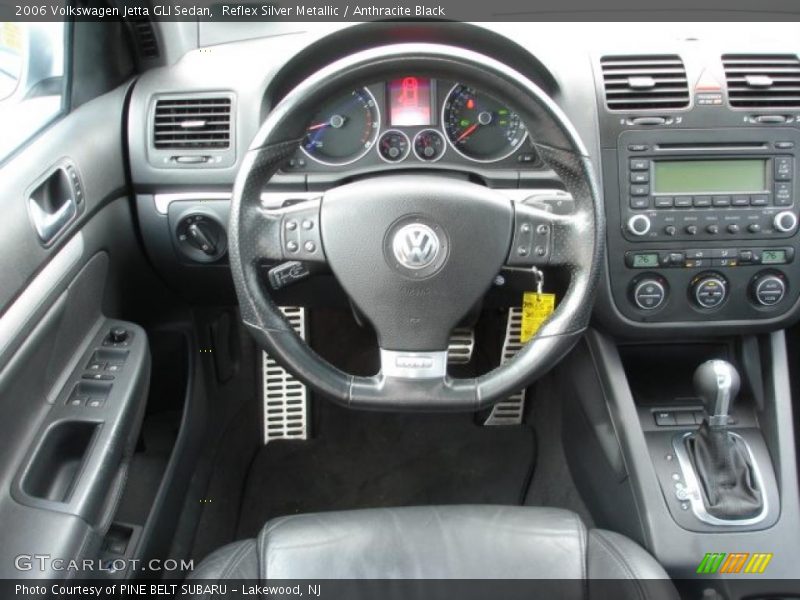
(462, 343)
(510, 410)
(285, 398)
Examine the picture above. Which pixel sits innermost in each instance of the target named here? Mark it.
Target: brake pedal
(462, 343)
(510, 410)
(285, 398)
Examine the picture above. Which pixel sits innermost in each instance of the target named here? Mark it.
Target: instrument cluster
(413, 120)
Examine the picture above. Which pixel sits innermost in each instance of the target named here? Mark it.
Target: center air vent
(645, 82)
(199, 123)
(762, 81)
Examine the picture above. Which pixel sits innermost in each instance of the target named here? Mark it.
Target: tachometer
(344, 129)
(479, 127)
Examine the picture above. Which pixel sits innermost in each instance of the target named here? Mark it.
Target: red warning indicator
(410, 102)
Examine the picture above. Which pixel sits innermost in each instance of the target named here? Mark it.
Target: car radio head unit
(685, 189)
(719, 176)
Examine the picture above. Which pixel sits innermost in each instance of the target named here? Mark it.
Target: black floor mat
(363, 459)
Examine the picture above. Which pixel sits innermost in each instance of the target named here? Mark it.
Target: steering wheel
(414, 252)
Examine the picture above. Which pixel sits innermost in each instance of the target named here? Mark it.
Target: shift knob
(717, 382)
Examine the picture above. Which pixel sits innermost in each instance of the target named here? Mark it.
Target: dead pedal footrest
(285, 398)
(510, 410)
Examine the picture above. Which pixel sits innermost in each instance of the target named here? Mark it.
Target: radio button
(759, 200)
(783, 194)
(691, 229)
(663, 201)
(754, 228)
(640, 190)
(640, 164)
(683, 201)
(733, 228)
(643, 147)
(740, 200)
(640, 202)
(640, 176)
(639, 225)
(702, 201)
(785, 221)
(784, 145)
(783, 168)
(712, 229)
(721, 200)
(670, 230)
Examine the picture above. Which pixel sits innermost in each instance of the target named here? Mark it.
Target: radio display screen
(709, 176)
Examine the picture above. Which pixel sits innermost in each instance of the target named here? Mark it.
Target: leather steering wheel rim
(256, 233)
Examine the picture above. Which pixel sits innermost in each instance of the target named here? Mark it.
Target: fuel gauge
(393, 146)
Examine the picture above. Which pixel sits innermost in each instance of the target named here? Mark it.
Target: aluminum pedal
(462, 343)
(285, 398)
(511, 410)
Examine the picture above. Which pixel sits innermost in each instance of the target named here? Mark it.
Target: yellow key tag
(536, 307)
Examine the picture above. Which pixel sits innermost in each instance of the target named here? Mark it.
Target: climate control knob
(785, 221)
(639, 225)
(709, 290)
(768, 289)
(649, 293)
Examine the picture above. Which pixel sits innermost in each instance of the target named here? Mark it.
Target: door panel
(66, 452)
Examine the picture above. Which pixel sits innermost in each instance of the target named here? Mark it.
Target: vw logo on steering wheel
(415, 246)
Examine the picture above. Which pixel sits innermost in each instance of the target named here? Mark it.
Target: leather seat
(452, 542)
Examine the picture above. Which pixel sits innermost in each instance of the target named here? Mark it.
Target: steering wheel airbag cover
(461, 229)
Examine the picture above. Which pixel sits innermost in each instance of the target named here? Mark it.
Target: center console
(704, 228)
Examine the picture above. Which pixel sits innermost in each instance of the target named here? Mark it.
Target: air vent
(645, 82)
(762, 81)
(193, 123)
(146, 40)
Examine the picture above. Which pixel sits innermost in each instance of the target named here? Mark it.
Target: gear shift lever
(717, 382)
(720, 459)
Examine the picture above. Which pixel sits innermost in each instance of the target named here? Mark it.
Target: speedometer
(479, 127)
(344, 129)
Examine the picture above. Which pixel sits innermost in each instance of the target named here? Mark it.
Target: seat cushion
(451, 542)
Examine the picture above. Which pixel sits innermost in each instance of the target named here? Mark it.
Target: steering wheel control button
(531, 242)
(300, 238)
(768, 289)
(649, 294)
(709, 290)
(639, 225)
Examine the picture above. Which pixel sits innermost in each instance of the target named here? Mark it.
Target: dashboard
(693, 137)
(412, 121)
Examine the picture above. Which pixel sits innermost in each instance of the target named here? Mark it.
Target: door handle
(52, 205)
